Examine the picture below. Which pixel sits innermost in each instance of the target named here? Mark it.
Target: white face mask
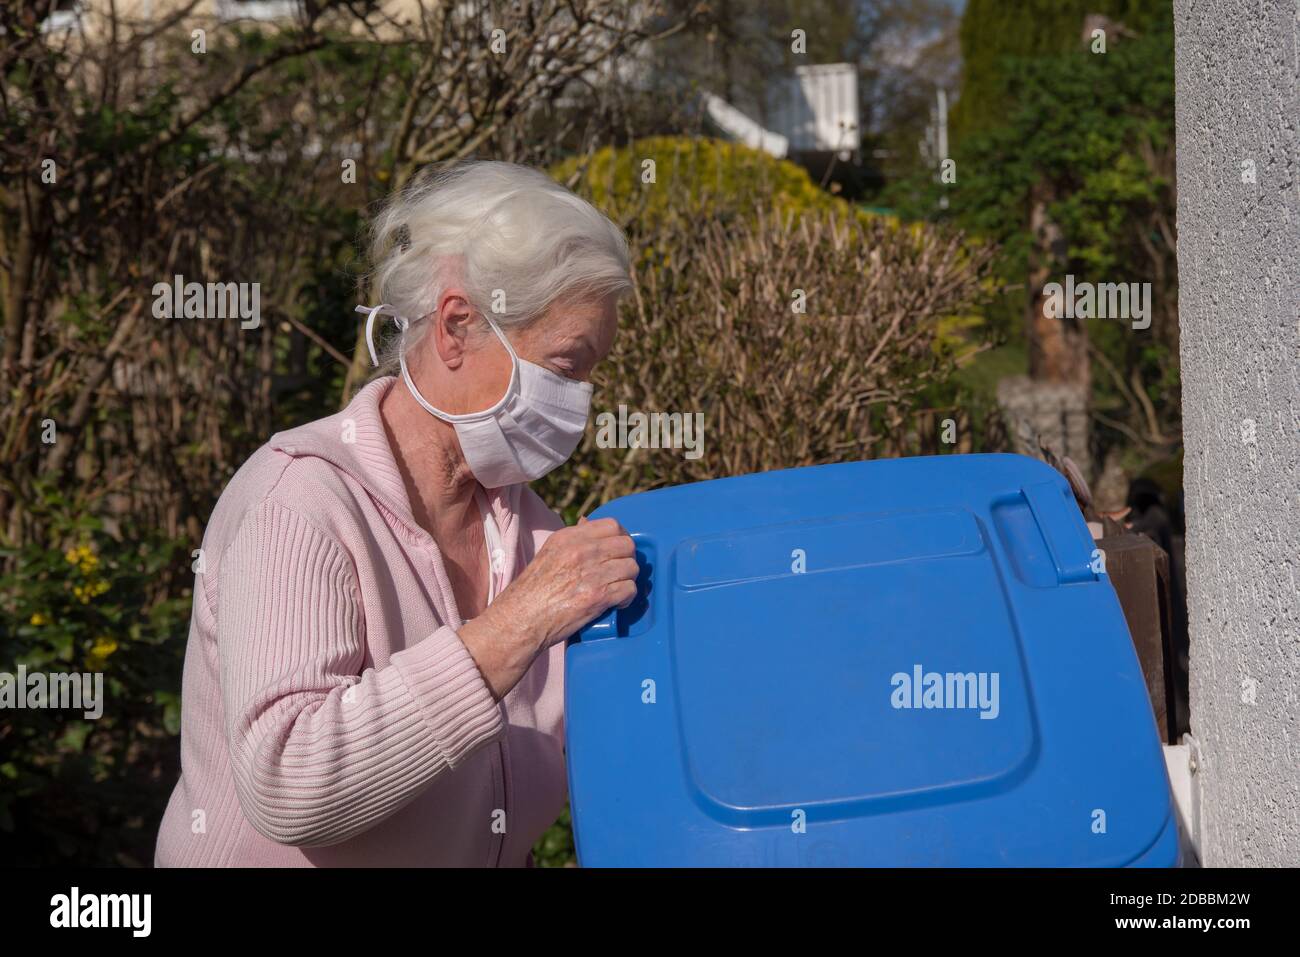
(531, 430)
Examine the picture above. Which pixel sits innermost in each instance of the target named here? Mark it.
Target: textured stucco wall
(1238, 99)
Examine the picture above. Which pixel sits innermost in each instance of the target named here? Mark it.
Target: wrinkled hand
(581, 572)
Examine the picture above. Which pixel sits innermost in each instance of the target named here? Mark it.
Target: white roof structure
(817, 108)
(743, 129)
(813, 111)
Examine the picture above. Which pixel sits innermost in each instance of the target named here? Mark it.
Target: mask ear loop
(502, 336)
(371, 311)
(402, 324)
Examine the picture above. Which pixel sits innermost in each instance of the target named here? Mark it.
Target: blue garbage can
(907, 662)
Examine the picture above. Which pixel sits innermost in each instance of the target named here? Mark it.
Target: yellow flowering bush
(91, 603)
(85, 561)
(693, 177)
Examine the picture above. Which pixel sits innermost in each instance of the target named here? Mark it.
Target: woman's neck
(438, 481)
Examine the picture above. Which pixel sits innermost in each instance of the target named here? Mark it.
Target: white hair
(516, 240)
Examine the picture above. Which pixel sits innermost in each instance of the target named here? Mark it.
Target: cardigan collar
(355, 441)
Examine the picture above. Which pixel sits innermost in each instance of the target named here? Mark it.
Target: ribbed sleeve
(322, 749)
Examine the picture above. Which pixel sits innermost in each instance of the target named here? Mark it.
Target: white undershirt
(492, 536)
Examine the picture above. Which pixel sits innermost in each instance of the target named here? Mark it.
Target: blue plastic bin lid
(903, 662)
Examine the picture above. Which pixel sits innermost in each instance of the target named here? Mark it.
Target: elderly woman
(375, 665)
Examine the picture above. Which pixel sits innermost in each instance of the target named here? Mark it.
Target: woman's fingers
(622, 569)
(619, 546)
(621, 593)
(605, 527)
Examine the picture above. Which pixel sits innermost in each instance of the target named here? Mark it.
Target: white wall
(1238, 87)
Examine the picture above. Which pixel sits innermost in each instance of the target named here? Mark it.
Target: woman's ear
(451, 326)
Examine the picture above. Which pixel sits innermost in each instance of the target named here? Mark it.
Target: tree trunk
(1058, 347)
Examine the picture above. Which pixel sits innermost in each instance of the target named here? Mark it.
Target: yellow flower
(103, 646)
(99, 652)
(84, 557)
(38, 619)
(84, 593)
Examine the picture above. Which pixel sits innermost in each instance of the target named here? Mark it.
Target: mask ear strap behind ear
(371, 312)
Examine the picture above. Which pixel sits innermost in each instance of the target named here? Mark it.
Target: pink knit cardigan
(331, 715)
